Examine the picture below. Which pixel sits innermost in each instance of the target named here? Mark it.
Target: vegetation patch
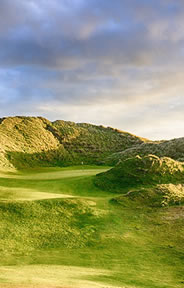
(35, 141)
(156, 196)
(85, 241)
(171, 148)
(172, 194)
(138, 171)
(26, 226)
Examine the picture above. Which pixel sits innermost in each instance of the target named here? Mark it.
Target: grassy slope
(35, 141)
(85, 241)
(172, 148)
(146, 170)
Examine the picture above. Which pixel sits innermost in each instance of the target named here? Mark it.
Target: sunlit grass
(85, 241)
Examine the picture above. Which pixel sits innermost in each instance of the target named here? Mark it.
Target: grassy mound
(157, 196)
(172, 148)
(35, 141)
(136, 171)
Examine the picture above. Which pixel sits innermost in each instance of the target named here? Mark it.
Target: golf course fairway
(58, 229)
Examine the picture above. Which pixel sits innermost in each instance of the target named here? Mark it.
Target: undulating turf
(35, 141)
(84, 240)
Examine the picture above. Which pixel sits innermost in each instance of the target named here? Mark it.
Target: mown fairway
(59, 230)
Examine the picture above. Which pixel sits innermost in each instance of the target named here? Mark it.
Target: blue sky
(117, 63)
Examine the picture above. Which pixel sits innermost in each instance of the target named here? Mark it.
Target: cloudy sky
(119, 63)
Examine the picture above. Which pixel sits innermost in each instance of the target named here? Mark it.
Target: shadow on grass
(59, 157)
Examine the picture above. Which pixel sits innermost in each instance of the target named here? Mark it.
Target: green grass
(87, 240)
(166, 148)
(50, 275)
(35, 141)
(140, 171)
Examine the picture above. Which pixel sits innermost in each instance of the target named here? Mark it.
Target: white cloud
(117, 63)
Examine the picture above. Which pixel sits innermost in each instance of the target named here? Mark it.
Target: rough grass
(171, 148)
(86, 241)
(46, 224)
(137, 171)
(35, 141)
(156, 196)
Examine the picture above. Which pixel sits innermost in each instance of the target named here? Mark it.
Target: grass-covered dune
(148, 180)
(64, 227)
(35, 141)
(58, 229)
(139, 170)
(155, 196)
(171, 148)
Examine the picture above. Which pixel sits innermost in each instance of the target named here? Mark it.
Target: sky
(118, 63)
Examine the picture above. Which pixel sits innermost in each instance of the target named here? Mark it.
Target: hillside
(160, 195)
(65, 226)
(35, 141)
(149, 179)
(144, 170)
(172, 148)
